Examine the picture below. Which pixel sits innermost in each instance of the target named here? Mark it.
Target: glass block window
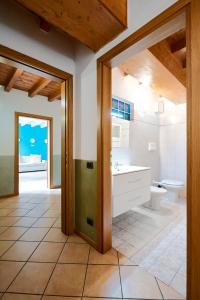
(121, 109)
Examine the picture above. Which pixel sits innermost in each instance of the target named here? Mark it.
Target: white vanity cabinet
(130, 188)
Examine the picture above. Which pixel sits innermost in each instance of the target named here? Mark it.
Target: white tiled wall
(173, 142)
(123, 141)
(167, 131)
(144, 129)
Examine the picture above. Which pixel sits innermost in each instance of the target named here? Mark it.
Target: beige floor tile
(124, 261)
(59, 298)
(4, 245)
(127, 249)
(57, 224)
(26, 205)
(75, 253)
(44, 222)
(11, 205)
(169, 293)
(26, 221)
(109, 258)
(12, 233)
(10, 296)
(20, 251)
(67, 280)
(4, 203)
(90, 298)
(5, 211)
(34, 234)
(74, 238)
(8, 271)
(52, 213)
(55, 235)
(2, 229)
(19, 212)
(102, 281)
(47, 252)
(32, 279)
(36, 213)
(137, 283)
(8, 221)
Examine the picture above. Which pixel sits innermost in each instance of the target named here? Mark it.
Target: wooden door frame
(49, 148)
(104, 197)
(67, 193)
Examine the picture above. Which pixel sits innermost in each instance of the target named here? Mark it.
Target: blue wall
(26, 133)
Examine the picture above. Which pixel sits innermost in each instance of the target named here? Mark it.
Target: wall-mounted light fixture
(126, 74)
(160, 106)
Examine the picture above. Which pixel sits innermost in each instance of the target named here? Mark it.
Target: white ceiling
(32, 122)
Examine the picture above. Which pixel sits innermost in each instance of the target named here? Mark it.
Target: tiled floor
(155, 240)
(37, 181)
(37, 261)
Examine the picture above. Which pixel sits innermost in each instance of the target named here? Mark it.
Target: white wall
(18, 101)
(173, 142)
(139, 13)
(144, 129)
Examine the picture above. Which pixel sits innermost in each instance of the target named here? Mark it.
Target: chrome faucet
(116, 165)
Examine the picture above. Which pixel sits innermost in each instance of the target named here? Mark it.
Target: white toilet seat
(171, 182)
(174, 188)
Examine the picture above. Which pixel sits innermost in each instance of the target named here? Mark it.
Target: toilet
(157, 195)
(173, 187)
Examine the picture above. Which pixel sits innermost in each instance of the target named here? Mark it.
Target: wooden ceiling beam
(44, 25)
(54, 96)
(162, 52)
(177, 46)
(17, 73)
(42, 83)
(94, 23)
(184, 63)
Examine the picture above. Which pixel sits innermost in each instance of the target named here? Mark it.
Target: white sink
(127, 169)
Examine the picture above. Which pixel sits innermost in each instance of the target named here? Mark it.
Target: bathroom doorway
(149, 159)
(104, 138)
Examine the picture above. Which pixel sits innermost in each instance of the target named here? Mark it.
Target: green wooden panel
(85, 197)
(57, 169)
(6, 175)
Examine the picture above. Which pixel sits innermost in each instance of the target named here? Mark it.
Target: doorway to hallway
(33, 155)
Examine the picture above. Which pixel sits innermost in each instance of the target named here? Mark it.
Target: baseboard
(8, 196)
(86, 238)
(55, 187)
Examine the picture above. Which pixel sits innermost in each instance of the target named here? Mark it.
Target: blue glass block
(117, 114)
(127, 108)
(121, 115)
(114, 112)
(115, 103)
(127, 117)
(121, 106)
